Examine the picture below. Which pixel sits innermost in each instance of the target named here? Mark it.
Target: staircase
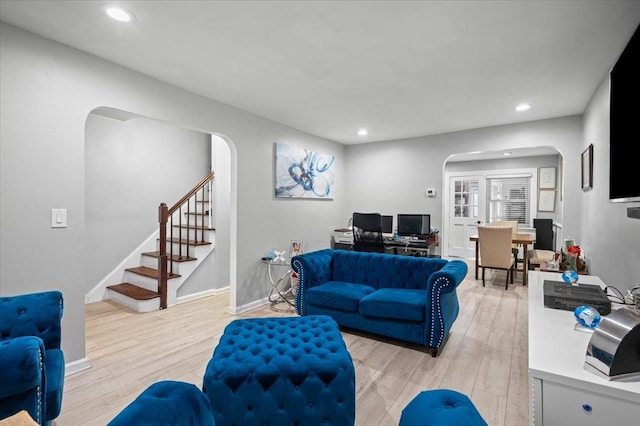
(185, 239)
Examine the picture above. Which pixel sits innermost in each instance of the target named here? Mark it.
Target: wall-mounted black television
(624, 120)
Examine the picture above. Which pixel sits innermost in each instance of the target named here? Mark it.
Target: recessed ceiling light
(506, 153)
(362, 132)
(523, 107)
(118, 13)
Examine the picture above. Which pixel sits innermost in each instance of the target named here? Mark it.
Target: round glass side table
(281, 299)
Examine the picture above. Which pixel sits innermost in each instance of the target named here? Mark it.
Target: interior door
(466, 207)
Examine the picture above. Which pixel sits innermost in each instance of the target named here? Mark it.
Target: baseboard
(201, 294)
(248, 306)
(74, 367)
(219, 291)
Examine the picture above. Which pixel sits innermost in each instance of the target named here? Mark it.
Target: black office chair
(367, 232)
(544, 234)
(543, 247)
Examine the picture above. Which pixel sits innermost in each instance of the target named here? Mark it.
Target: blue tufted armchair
(32, 363)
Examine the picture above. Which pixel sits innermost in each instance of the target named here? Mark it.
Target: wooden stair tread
(133, 291)
(173, 257)
(188, 242)
(149, 272)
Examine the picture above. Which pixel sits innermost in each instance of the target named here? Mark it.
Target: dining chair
(495, 249)
(514, 247)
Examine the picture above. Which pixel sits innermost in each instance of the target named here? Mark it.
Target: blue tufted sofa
(31, 361)
(408, 298)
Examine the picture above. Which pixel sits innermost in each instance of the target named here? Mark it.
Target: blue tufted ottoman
(281, 371)
(441, 407)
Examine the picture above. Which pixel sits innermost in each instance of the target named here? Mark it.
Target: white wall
(131, 167)
(610, 239)
(391, 177)
(221, 196)
(48, 90)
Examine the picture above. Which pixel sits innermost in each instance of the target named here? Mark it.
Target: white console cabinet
(562, 391)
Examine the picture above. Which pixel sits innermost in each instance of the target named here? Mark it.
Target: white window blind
(509, 198)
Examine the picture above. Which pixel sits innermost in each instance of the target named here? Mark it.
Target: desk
(420, 246)
(560, 386)
(524, 239)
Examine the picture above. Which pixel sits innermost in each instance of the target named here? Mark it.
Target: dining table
(524, 239)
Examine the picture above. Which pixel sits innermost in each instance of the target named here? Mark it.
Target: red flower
(574, 250)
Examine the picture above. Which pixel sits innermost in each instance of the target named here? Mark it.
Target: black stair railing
(175, 217)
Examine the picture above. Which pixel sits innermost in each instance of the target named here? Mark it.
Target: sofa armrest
(35, 314)
(454, 272)
(442, 301)
(313, 269)
(22, 377)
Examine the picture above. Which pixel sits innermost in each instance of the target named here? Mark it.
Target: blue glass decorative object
(587, 316)
(570, 276)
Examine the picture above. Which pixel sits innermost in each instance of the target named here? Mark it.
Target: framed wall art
(547, 178)
(302, 173)
(587, 168)
(296, 248)
(546, 200)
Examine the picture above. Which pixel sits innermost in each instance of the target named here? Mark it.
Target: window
(466, 198)
(509, 198)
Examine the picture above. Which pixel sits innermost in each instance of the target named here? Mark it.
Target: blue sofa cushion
(34, 314)
(167, 403)
(380, 270)
(338, 295)
(395, 303)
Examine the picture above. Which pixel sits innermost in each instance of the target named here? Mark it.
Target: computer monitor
(414, 225)
(387, 224)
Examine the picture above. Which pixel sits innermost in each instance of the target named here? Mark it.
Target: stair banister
(165, 216)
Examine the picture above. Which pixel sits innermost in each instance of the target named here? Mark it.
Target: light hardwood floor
(484, 358)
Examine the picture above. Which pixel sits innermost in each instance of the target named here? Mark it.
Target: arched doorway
(465, 196)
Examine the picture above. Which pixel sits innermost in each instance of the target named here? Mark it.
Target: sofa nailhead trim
(298, 265)
(39, 419)
(435, 301)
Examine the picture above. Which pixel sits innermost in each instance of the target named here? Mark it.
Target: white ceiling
(400, 69)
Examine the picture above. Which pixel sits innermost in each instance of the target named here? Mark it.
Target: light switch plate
(58, 218)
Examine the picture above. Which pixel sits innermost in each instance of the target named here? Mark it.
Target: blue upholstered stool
(167, 403)
(441, 407)
(281, 371)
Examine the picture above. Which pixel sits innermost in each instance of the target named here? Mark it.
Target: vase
(570, 275)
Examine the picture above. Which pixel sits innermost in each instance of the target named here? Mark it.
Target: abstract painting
(301, 173)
